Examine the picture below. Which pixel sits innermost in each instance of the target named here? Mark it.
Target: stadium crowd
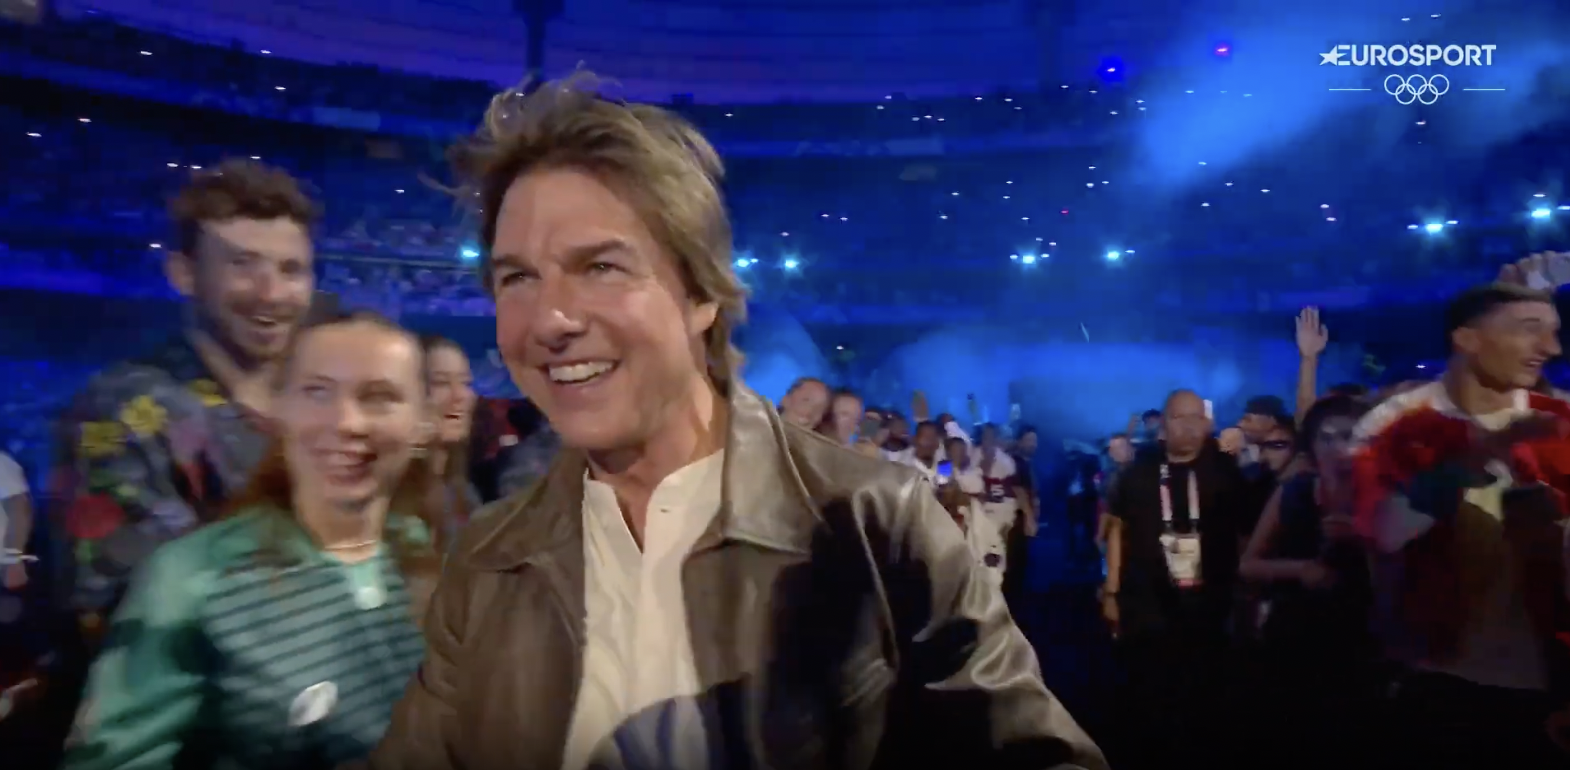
(1282, 615)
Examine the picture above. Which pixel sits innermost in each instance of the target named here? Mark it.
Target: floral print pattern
(148, 450)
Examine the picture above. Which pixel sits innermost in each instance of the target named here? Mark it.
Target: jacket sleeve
(423, 732)
(969, 690)
(144, 694)
(117, 469)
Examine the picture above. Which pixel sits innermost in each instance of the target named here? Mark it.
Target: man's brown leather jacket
(836, 614)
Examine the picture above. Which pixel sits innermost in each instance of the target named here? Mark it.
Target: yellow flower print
(144, 416)
(207, 391)
(101, 439)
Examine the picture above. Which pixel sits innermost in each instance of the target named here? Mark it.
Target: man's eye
(602, 267)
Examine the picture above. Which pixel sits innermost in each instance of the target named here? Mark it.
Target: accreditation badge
(1182, 554)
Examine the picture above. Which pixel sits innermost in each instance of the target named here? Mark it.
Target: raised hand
(1546, 270)
(1231, 440)
(1312, 336)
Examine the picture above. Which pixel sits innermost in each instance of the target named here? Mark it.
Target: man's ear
(180, 270)
(1465, 339)
(702, 317)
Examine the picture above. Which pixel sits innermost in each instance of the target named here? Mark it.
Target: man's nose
(558, 317)
(1550, 345)
(271, 286)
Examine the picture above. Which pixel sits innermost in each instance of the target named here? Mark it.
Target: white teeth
(346, 459)
(576, 373)
(261, 320)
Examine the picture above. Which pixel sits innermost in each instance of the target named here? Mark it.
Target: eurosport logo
(1414, 55)
(1424, 89)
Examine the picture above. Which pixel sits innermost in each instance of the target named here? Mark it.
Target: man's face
(958, 453)
(1276, 450)
(806, 404)
(1509, 346)
(899, 428)
(1027, 444)
(1121, 450)
(251, 282)
(989, 438)
(592, 318)
(928, 439)
(1185, 422)
(846, 416)
(1255, 427)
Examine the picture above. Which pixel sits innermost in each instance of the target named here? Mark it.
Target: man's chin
(593, 433)
(258, 350)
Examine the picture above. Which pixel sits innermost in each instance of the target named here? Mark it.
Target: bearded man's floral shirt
(148, 450)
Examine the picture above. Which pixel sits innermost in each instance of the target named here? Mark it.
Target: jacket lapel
(764, 528)
(534, 552)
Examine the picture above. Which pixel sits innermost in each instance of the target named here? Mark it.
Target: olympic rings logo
(1416, 88)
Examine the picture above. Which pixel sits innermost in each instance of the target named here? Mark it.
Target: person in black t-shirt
(1172, 562)
(1315, 573)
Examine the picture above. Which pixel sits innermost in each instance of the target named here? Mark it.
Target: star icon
(1334, 57)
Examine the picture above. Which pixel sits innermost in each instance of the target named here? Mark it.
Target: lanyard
(1166, 497)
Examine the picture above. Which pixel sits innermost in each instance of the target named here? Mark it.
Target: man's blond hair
(655, 159)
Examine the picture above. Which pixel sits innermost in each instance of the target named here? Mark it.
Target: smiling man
(153, 446)
(697, 583)
(1467, 560)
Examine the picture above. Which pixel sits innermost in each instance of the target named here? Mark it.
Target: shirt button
(368, 597)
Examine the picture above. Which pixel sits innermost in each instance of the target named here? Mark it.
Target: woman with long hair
(282, 635)
(450, 383)
(1315, 633)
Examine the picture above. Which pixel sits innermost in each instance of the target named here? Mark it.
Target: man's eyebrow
(578, 255)
(507, 259)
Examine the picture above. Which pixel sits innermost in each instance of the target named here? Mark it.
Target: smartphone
(1210, 410)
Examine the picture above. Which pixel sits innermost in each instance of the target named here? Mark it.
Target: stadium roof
(718, 51)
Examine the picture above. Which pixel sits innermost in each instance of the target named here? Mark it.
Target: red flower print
(93, 517)
(1416, 442)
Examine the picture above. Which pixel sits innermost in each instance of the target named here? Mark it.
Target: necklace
(351, 546)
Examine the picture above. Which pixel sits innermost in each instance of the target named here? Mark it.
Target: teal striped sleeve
(145, 690)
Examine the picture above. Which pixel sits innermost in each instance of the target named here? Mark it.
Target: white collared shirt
(636, 704)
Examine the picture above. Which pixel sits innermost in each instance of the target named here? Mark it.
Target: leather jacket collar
(763, 502)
